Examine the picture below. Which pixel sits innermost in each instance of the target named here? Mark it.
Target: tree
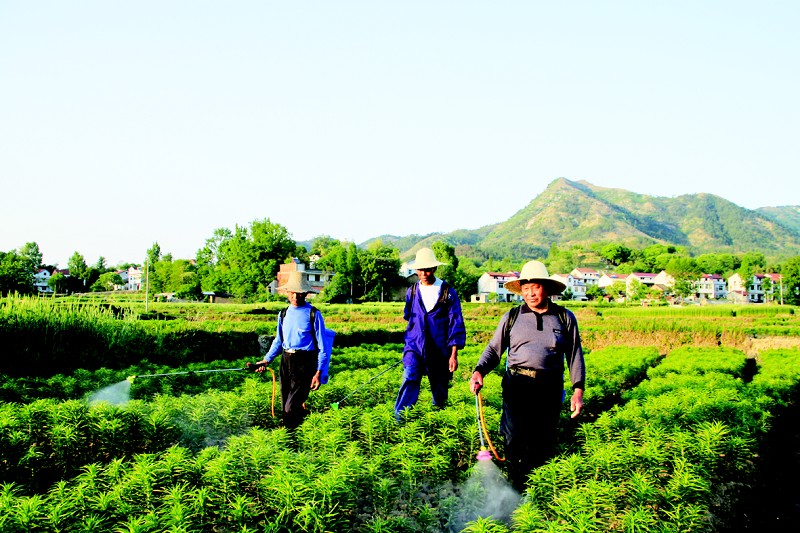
(31, 256)
(106, 282)
(637, 290)
(684, 286)
(77, 266)
(791, 281)
(617, 290)
(380, 271)
(616, 254)
(752, 263)
(245, 261)
(323, 244)
(594, 292)
(57, 283)
(15, 275)
(342, 259)
(446, 254)
(78, 274)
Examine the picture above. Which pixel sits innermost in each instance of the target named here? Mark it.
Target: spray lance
(252, 367)
(335, 405)
(249, 366)
(484, 454)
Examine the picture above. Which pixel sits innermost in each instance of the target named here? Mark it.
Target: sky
(123, 124)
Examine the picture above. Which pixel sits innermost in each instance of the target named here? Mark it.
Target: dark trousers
(296, 371)
(529, 423)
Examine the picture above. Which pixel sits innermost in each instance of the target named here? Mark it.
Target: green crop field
(684, 410)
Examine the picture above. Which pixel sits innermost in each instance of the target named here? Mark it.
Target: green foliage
(15, 274)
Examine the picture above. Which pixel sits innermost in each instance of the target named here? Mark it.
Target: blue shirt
(296, 328)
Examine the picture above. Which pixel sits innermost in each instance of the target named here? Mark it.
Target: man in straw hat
(540, 337)
(300, 335)
(434, 334)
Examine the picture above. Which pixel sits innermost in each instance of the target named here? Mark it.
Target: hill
(571, 213)
(788, 215)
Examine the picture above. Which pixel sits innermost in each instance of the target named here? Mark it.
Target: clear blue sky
(128, 123)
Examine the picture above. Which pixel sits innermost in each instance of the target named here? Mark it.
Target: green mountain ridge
(571, 213)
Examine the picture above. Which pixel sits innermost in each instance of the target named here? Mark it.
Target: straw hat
(536, 272)
(425, 258)
(296, 283)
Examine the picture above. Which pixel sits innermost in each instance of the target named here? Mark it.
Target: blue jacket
(443, 325)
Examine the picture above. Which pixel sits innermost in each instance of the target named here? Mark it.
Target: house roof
(504, 274)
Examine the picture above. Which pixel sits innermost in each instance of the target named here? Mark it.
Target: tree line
(243, 261)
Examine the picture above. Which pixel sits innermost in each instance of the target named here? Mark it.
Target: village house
(710, 287)
(40, 281)
(492, 283)
(608, 279)
(133, 281)
(589, 276)
(575, 286)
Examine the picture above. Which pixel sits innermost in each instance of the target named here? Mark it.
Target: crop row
(675, 457)
(216, 461)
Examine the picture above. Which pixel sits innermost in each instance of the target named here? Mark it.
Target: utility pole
(146, 285)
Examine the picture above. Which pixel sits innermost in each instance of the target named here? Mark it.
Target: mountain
(578, 213)
(788, 215)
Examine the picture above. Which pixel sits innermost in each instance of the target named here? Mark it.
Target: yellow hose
(486, 433)
(272, 406)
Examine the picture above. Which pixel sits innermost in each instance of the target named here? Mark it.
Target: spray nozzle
(335, 406)
(131, 378)
(484, 455)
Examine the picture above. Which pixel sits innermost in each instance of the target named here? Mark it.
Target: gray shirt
(538, 341)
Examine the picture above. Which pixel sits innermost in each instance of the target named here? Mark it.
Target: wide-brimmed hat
(536, 272)
(296, 283)
(425, 258)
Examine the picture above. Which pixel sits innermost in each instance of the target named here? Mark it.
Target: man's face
(297, 298)
(426, 275)
(534, 294)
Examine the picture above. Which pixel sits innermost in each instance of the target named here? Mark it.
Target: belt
(292, 351)
(528, 372)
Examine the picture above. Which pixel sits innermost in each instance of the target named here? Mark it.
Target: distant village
(760, 288)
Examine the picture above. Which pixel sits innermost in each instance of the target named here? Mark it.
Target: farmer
(540, 336)
(434, 334)
(299, 335)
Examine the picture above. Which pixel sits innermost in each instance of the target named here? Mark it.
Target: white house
(40, 280)
(710, 287)
(608, 279)
(759, 288)
(407, 269)
(574, 285)
(133, 281)
(492, 283)
(589, 276)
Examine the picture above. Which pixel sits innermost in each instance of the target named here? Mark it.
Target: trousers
(296, 371)
(529, 423)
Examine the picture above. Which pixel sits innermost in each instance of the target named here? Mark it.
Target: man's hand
(453, 364)
(315, 381)
(576, 403)
(476, 382)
